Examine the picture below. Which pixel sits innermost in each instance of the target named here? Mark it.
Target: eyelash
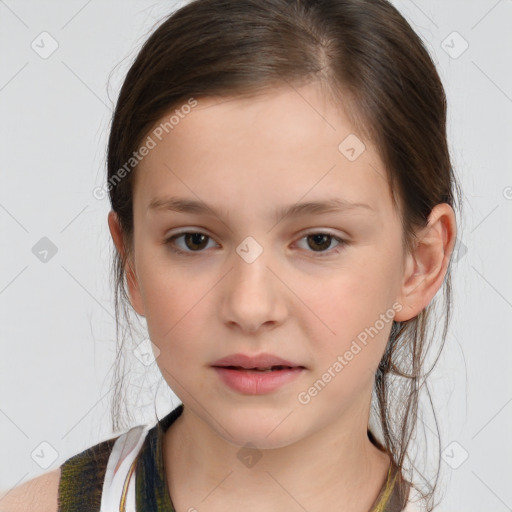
(341, 243)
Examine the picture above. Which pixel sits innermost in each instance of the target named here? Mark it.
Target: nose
(252, 297)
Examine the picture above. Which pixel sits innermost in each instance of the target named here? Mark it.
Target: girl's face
(252, 280)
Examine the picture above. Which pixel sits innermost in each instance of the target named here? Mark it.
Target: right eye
(192, 239)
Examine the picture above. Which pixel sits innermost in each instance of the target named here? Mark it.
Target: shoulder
(76, 482)
(39, 494)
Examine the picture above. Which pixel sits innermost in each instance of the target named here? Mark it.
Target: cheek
(176, 325)
(168, 299)
(350, 296)
(350, 313)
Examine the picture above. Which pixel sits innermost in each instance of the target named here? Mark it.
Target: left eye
(319, 240)
(323, 240)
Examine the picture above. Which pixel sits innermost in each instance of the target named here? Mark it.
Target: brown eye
(319, 244)
(320, 241)
(193, 242)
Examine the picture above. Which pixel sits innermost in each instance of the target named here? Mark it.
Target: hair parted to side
(369, 60)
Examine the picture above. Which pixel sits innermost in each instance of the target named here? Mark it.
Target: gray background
(57, 326)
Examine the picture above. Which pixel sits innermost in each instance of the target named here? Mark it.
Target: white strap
(119, 482)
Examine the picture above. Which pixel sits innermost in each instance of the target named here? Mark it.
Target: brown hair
(371, 62)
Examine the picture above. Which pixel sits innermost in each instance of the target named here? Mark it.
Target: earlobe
(426, 266)
(131, 276)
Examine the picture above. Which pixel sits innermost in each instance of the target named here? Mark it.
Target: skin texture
(245, 158)
(39, 494)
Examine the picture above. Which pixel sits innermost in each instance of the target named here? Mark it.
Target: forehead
(280, 146)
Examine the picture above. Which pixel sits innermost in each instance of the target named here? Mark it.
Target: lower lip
(256, 383)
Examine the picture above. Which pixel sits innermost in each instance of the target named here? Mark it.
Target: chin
(260, 433)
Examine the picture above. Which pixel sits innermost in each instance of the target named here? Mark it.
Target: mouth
(258, 380)
(261, 370)
(260, 362)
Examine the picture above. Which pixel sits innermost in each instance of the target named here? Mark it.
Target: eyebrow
(185, 205)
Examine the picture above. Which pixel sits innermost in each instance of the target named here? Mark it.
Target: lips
(269, 369)
(261, 362)
(245, 377)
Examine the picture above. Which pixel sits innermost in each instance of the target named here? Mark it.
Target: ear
(131, 276)
(426, 267)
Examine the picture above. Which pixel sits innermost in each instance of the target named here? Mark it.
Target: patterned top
(82, 477)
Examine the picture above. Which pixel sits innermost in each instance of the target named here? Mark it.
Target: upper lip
(257, 361)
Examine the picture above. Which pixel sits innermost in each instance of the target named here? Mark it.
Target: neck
(337, 464)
